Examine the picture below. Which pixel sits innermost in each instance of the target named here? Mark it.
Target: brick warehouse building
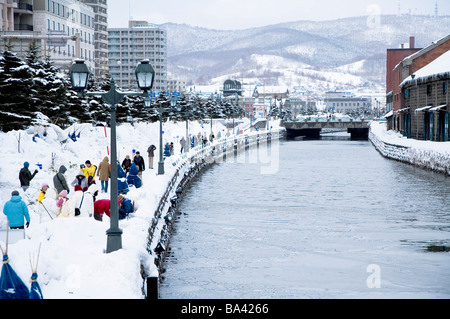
(425, 99)
(393, 58)
(404, 117)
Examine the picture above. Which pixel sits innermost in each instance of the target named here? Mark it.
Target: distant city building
(254, 107)
(303, 103)
(346, 102)
(128, 46)
(232, 87)
(264, 102)
(176, 86)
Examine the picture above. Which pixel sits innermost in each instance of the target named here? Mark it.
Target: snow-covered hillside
(323, 45)
(274, 71)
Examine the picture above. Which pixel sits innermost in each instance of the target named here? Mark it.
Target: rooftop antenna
(129, 11)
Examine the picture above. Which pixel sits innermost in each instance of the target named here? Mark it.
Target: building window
(429, 89)
(444, 88)
(406, 94)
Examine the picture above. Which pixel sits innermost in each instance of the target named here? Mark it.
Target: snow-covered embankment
(187, 167)
(426, 154)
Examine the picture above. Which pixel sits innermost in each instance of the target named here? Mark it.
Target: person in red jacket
(101, 206)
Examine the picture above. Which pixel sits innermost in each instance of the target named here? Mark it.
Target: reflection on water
(312, 229)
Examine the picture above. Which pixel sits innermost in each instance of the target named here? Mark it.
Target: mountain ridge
(322, 45)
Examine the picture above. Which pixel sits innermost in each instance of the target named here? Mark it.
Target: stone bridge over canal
(359, 129)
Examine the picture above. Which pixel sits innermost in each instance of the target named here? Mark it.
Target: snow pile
(431, 155)
(72, 261)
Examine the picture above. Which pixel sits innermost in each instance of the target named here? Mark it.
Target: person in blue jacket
(122, 185)
(16, 211)
(167, 150)
(133, 178)
(125, 207)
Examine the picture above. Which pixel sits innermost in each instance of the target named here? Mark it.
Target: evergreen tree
(16, 108)
(122, 110)
(52, 89)
(75, 108)
(137, 110)
(97, 110)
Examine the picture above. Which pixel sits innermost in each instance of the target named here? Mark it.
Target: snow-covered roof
(436, 108)
(389, 114)
(408, 60)
(425, 108)
(438, 67)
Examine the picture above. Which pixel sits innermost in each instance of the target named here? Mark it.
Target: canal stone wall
(189, 165)
(411, 152)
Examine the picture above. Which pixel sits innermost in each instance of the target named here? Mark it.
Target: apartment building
(7, 15)
(100, 8)
(61, 29)
(128, 46)
(66, 18)
(174, 85)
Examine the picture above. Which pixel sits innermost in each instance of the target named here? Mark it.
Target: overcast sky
(241, 14)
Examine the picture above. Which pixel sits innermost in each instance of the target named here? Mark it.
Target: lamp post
(187, 112)
(79, 74)
(161, 100)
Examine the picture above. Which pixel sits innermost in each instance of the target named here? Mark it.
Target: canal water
(334, 220)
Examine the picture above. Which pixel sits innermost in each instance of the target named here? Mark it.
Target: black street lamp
(79, 74)
(145, 74)
(161, 101)
(187, 112)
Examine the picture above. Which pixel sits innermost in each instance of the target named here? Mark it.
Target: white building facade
(66, 18)
(346, 102)
(100, 8)
(61, 29)
(128, 46)
(7, 15)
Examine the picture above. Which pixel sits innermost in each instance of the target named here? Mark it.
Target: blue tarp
(11, 286)
(35, 291)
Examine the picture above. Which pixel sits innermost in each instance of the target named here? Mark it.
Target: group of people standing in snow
(133, 169)
(56, 203)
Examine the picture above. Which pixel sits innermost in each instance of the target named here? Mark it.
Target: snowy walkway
(72, 262)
